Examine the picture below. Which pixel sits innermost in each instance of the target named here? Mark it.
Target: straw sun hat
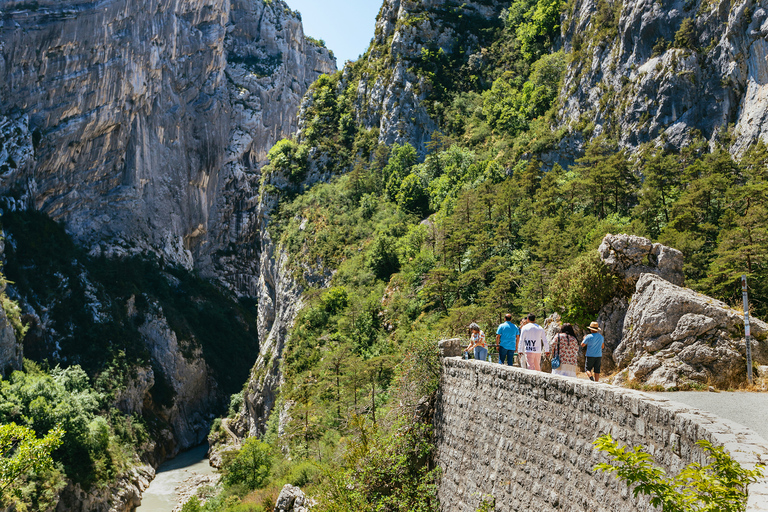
(594, 327)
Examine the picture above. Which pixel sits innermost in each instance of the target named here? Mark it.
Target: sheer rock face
(148, 120)
(644, 89)
(673, 335)
(394, 101)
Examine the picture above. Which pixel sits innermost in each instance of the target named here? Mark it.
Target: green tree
(541, 28)
(720, 486)
(579, 291)
(686, 37)
(21, 452)
(413, 196)
(401, 160)
(249, 466)
(605, 178)
(288, 158)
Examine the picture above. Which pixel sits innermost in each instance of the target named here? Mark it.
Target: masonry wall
(523, 440)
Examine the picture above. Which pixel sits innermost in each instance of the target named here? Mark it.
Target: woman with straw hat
(595, 344)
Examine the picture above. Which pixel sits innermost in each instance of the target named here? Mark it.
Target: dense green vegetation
(93, 309)
(97, 442)
(107, 300)
(416, 247)
(23, 454)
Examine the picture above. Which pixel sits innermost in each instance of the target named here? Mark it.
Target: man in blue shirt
(507, 336)
(595, 344)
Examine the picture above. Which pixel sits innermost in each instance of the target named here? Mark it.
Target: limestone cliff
(648, 69)
(392, 94)
(147, 121)
(142, 127)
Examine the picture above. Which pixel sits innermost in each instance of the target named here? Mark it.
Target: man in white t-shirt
(533, 341)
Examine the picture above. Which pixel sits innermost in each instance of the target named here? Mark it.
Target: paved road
(748, 409)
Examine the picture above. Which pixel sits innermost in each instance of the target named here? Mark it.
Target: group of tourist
(529, 341)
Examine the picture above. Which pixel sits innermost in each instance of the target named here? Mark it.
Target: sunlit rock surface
(147, 121)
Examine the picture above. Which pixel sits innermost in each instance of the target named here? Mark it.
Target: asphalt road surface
(746, 408)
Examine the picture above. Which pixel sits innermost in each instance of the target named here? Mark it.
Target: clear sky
(346, 26)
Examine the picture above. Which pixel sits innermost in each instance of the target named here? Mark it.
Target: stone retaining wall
(523, 440)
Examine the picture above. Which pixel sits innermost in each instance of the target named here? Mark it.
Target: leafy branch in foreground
(720, 486)
(22, 452)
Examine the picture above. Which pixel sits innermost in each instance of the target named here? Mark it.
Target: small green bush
(720, 486)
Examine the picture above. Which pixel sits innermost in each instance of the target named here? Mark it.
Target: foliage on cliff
(94, 442)
(490, 220)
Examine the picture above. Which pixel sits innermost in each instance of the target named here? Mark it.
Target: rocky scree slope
(641, 70)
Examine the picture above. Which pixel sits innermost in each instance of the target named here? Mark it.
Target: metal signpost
(746, 328)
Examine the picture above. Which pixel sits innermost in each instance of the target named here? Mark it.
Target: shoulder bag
(556, 358)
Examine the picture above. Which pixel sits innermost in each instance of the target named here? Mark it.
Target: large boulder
(291, 499)
(630, 256)
(451, 347)
(611, 321)
(674, 336)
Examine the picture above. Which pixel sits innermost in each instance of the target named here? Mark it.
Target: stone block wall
(523, 440)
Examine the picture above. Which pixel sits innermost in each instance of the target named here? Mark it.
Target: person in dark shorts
(595, 343)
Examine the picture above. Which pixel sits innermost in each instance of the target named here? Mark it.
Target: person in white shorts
(533, 339)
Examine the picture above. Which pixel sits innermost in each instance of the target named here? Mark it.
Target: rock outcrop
(11, 353)
(10, 350)
(124, 495)
(279, 302)
(395, 101)
(291, 499)
(194, 391)
(674, 336)
(630, 256)
(638, 75)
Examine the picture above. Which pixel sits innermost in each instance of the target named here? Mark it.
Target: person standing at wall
(507, 337)
(566, 344)
(520, 347)
(477, 342)
(595, 344)
(533, 339)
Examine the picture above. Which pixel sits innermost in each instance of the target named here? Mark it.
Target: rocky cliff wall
(141, 125)
(392, 95)
(630, 78)
(524, 439)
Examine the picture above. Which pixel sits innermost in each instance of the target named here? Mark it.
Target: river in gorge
(187, 467)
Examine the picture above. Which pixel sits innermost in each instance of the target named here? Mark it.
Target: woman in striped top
(477, 341)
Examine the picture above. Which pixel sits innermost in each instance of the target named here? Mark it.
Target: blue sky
(346, 26)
